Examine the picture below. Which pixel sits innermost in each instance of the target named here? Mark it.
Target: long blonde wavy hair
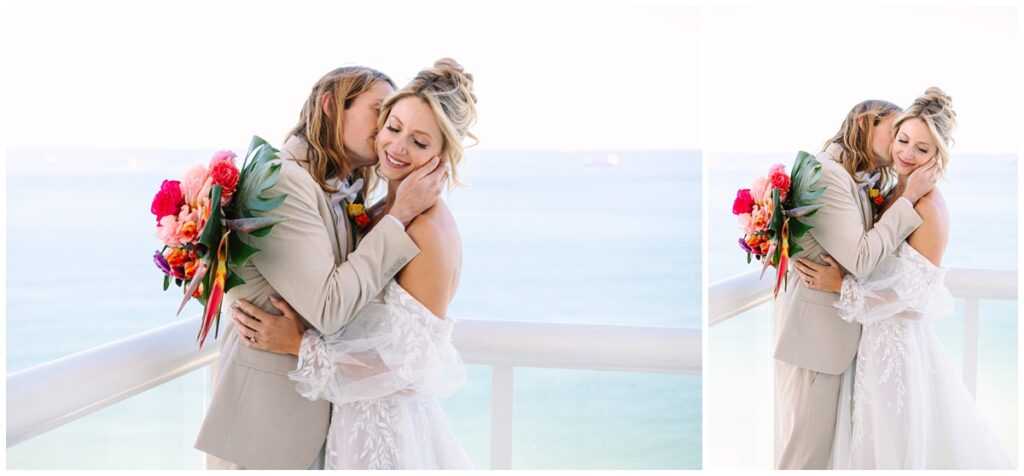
(856, 135)
(324, 134)
(448, 89)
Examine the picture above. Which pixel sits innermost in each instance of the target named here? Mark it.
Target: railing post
(502, 394)
(971, 313)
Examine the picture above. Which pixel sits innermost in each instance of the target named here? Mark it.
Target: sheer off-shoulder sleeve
(391, 349)
(904, 285)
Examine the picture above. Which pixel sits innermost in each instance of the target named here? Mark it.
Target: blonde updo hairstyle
(935, 108)
(857, 134)
(448, 90)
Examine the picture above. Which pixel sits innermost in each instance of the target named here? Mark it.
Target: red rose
(225, 174)
(879, 200)
(744, 202)
(780, 181)
(168, 200)
(363, 220)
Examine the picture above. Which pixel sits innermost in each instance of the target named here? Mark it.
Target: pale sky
(546, 78)
(782, 79)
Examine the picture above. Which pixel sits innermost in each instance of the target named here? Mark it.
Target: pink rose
(193, 183)
(168, 200)
(758, 189)
(743, 220)
(167, 231)
(743, 203)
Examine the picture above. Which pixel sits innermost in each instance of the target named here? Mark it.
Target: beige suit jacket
(809, 332)
(256, 419)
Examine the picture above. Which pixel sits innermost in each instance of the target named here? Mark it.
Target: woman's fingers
(246, 319)
(284, 307)
(829, 261)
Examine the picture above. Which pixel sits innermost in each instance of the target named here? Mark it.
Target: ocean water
(981, 193)
(546, 238)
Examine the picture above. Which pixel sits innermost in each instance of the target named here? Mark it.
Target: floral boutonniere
(877, 200)
(357, 213)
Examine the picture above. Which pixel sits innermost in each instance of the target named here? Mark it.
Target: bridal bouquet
(769, 213)
(200, 217)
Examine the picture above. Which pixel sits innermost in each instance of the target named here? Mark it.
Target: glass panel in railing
(738, 372)
(469, 414)
(152, 430)
(997, 370)
(566, 419)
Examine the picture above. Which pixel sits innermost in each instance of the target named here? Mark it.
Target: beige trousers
(806, 407)
(213, 462)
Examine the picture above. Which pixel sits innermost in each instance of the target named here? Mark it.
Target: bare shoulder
(931, 237)
(435, 231)
(432, 276)
(932, 209)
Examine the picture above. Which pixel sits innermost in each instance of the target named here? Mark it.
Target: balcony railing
(735, 295)
(82, 383)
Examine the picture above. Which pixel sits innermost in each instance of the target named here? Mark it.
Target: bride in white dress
(385, 370)
(902, 405)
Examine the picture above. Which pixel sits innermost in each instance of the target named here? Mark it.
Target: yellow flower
(355, 209)
(873, 192)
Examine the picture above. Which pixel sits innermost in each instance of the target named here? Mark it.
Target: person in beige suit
(256, 420)
(386, 370)
(813, 346)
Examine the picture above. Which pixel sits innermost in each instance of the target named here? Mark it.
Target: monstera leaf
(803, 195)
(259, 173)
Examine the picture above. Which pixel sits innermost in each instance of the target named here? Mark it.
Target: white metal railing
(734, 295)
(82, 383)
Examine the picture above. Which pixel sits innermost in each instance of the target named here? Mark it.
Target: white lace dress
(384, 373)
(902, 405)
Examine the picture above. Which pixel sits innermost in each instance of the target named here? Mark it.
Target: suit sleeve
(838, 227)
(297, 258)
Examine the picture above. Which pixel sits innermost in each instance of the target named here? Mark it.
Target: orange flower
(190, 268)
(176, 258)
(189, 231)
(198, 293)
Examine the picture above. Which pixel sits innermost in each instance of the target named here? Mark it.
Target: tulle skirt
(902, 406)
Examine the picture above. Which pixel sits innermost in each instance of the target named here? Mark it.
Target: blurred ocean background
(981, 192)
(551, 236)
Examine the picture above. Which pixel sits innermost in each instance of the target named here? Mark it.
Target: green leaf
(238, 251)
(262, 232)
(167, 281)
(251, 224)
(213, 229)
(797, 229)
(232, 280)
(261, 204)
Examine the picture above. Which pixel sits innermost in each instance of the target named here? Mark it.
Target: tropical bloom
(196, 215)
(768, 214)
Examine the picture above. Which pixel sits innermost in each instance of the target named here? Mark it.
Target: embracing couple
(861, 379)
(341, 345)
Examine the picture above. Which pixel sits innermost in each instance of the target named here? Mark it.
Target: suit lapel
(295, 148)
(865, 207)
(832, 152)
